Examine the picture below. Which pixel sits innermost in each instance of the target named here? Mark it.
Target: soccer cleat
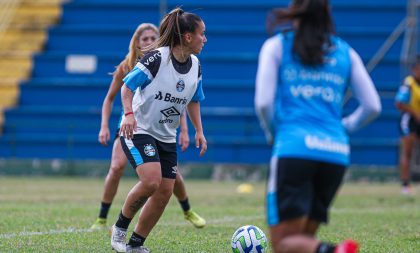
(118, 236)
(406, 190)
(195, 219)
(99, 224)
(348, 246)
(140, 249)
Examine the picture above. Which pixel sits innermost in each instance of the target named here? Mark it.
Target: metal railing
(409, 48)
(409, 27)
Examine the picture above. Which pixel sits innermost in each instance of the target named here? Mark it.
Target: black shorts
(299, 187)
(144, 148)
(409, 125)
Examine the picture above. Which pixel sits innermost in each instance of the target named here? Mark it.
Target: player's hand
(183, 140)
(200, 141)
(103, 136)
(127, 126)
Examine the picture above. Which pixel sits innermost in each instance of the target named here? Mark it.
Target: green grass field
(54, 214)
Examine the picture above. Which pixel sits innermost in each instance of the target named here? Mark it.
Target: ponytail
(174, 25)
(313, 28)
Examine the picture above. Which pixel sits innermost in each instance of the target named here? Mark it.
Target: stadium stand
(57, 114)
(22, 32)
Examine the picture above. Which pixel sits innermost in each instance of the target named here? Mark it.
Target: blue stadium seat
(58, 112)
(85, 39)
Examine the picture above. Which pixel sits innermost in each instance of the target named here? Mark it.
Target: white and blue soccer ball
(249, 239)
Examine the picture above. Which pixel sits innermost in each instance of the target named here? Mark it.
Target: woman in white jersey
(302, 76)
(145, 35)
(164, 82)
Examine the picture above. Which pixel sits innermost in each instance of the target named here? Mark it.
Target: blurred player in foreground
(301, 79)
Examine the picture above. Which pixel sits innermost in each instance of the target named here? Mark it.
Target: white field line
(50, 232)
(223, 220)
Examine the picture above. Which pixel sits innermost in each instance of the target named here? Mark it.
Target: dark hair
(312, 30)
(174, 25)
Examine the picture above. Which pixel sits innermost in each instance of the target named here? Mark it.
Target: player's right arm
(114, 88)
(138, 79)
(269, 61)
(128, 123)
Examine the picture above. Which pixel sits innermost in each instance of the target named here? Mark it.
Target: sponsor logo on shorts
(149, 150)
(174, 170)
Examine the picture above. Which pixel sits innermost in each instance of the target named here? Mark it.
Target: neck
(179, 54)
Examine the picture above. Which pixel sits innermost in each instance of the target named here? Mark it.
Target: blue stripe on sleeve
(403, 94)
(199, 94)
(136, 78)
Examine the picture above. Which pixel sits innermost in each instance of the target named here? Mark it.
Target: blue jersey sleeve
(137, 78)
(144, 72)
(403, 94)
(199, 94)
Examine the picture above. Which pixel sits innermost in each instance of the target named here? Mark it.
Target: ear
(188, 37)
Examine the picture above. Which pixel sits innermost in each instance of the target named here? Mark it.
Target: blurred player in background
(301, 79)
(164, 82)
(145, 35)
(408, 102)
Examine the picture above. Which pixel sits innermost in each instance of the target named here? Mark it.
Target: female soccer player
(144, 36)
(302, 75)
(164, 82)
(408, 102)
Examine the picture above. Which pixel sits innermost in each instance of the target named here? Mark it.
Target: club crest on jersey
(180, 85)
(149, 150)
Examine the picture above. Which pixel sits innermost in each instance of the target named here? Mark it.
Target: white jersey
(163, 87)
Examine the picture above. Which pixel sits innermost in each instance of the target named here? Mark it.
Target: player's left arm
(195, 117)
(365, 92)
(194, 113)
(184, 138)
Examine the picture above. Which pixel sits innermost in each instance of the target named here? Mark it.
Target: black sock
(324, 247)
(123, 222)
(185, 204)
(104, 210)
(136, 240)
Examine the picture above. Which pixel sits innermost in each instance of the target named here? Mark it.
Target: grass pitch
(54, 215)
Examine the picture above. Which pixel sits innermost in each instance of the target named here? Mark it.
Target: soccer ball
(249, 239)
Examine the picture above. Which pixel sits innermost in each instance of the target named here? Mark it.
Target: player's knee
(283, 246)
(116, 170)
(151, 185)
